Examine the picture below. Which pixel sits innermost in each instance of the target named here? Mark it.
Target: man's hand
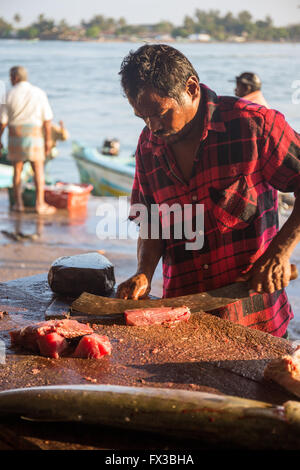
(136, 287)
(273, 271)
(269, 274)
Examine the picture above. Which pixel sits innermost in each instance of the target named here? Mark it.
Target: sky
(283, 12)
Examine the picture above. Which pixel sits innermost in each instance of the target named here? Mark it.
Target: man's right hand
(136, 287)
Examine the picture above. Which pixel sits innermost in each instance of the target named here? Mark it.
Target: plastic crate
(28, 196)
(67, 199)
(56, 196)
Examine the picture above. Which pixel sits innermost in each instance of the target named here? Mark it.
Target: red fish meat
(93, 346)
(49, 337)
(157, 316)
(52, 345)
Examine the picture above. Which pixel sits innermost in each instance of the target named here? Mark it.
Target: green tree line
(219, 27)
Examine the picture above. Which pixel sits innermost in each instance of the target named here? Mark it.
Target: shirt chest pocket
(234, 207)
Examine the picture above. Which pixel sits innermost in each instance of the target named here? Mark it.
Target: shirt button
(194, 198)
(205, 266)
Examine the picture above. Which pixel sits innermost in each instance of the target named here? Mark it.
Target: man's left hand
(268, 274)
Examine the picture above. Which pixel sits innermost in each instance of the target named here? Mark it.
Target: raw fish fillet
(93, 346)
(52, 345)
(32, 337)
(157, 316)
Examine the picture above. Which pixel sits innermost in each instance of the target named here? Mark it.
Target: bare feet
(45, 209)
(18, 208)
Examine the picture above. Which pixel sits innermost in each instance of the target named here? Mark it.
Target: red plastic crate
(64, 199)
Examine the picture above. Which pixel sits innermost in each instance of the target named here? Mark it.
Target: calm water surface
(82, 83)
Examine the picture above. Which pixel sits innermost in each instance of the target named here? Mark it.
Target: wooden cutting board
(206, 354)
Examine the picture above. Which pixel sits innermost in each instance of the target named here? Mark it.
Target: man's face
(166, 118)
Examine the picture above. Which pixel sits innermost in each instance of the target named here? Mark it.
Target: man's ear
(192, 87)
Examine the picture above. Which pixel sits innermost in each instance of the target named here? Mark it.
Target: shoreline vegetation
(202, 26)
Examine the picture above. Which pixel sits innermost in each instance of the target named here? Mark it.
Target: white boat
(109, 175)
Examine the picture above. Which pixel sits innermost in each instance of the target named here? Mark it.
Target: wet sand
(46, 238)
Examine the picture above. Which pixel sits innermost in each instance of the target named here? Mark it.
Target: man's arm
(2, 127)
(272, 271)
(149, 253)
(48, 136)
(279, 164)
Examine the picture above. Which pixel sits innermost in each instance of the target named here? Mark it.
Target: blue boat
(109, 175)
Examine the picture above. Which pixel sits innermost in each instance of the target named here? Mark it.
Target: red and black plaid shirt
(246, 150)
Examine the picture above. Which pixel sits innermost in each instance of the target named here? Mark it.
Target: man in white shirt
(28, 115)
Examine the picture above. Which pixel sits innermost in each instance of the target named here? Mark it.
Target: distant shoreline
(149, 40)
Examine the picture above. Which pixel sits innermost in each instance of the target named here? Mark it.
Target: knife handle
(294, 272)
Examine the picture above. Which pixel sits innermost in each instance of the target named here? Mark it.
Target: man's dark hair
(158, 66)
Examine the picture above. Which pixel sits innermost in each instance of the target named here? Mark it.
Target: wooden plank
(90, 304)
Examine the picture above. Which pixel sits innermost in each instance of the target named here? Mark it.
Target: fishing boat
(109, 175)
(6, 176)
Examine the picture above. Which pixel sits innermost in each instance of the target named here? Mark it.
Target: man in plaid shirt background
(229, 155)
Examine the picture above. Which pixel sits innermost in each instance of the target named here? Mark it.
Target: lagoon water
(82, 83)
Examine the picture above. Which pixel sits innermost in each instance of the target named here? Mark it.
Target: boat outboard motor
(111, 147)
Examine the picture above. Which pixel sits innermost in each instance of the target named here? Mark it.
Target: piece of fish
(157, 316)
(93, 346)
(52, 345)
(49, 338)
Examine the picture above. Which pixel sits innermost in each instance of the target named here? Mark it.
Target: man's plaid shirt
(247, 152)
